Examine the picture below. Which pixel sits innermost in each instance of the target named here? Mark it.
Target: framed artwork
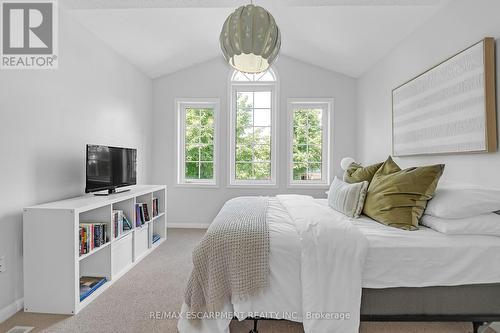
(450, 108)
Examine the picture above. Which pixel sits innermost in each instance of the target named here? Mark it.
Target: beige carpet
(157, 284)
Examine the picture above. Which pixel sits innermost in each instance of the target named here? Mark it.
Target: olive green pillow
(398, 198)
(357, 173)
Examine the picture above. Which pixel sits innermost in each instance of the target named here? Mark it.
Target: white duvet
(317, 257)
(333, 253)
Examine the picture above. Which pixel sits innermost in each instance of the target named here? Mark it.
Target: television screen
(110, 167)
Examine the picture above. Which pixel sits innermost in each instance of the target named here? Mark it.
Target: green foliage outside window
(253, 142)
(253, 139)
(307, 144)
(199, 143)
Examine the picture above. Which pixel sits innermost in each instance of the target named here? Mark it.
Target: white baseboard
(187, 225)
(11, 309)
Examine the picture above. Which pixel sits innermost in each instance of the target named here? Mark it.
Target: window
(308, 121)
(197, 141)
(253, 129)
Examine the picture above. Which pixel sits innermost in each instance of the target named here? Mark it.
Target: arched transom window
(253, 107)
(267, 76)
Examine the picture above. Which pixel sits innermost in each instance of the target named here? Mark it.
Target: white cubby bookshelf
(52, 261)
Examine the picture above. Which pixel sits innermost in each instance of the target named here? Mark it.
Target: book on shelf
(126, 223)
(155, 207)
(120, 223)
(137, 215)
(83, 240)
(156, 238)
(89, 284)
(146, 212)
(91, 236)
(117, 222)
(97, 236)
(142, 213)
(143, 217)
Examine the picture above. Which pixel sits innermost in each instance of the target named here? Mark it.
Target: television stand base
(113, 191)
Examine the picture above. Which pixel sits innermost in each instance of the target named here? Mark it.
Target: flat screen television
(108, 168)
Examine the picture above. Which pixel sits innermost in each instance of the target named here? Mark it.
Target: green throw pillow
(357, 173)
(398, 198)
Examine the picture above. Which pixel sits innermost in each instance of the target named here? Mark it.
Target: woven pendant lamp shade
(250, 39)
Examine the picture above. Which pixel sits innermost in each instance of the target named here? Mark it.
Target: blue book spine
(91, 290)
(137, 216)
(156, 238)
(97, 235)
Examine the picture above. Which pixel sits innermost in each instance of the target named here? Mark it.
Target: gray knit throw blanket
(232, 259)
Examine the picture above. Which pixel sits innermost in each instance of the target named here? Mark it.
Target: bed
(407, 276)
(452, 278)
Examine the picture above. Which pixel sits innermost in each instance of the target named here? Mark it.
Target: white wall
(47, 117)
(210, 79)
(457, 26)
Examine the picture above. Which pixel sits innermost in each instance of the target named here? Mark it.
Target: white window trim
(235, 86)
(292, 103)
(180, 105)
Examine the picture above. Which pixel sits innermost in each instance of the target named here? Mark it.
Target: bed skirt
(466, 300)
(476, 303)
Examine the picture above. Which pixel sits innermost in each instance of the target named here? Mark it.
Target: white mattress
(400, 258)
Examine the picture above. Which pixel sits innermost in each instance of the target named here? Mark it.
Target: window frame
(327, 105)
(181, 104)
(252, 86)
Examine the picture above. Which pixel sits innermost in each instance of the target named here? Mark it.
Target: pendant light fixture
(250, 39)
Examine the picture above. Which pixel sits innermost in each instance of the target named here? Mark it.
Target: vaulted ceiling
(163, 36)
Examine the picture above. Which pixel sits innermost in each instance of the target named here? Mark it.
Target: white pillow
(347, 198)
(460, 202)
(486, 224)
